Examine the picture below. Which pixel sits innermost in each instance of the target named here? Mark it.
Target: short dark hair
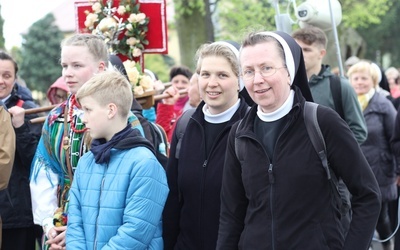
(5, 56)
(180, 70)
(310, 35)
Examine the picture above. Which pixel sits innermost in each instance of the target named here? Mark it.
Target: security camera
(317, 13)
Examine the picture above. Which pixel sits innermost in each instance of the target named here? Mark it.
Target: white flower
(136, 52)
(132, 71)
(141, 18)
(96, 7)
(129, 27)
(107, 23)
(138, 90)
(137, 18)
(147, 83)
(131, 41)
(121, 10)
(129, 64)
(91, 18)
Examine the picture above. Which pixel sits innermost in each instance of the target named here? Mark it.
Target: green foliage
(385, 35)
(158, 66)
(187, 7)
(2, 41)
(41, 52)
(363, 13)
(254, 15)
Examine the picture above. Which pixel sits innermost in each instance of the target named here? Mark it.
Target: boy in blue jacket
(119, 191)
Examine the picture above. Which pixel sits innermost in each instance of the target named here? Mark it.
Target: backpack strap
(336, 90)
(318, 142)
(163, 146)
(237, 151)
(180, 128)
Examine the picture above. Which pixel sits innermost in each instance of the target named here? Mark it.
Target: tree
(40, 51)
(385, 37)
(2, 40)
(234, 17)
(194, 26)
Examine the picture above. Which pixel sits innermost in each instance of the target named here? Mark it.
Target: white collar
(280, 112)
(221, 117)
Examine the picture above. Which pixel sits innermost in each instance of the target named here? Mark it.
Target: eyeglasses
(265, 71)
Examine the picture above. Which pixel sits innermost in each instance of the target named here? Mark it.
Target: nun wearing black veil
(275, 191)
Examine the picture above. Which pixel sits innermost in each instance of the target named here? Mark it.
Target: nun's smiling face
(270, 85)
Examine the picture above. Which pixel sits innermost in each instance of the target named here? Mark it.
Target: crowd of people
(240, 170)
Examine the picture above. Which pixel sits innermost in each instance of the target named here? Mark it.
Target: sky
(19, 15)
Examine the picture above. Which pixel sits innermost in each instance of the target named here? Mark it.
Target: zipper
(271, 191)
(97, 217)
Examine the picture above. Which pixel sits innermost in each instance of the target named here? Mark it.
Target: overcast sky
(20, 14)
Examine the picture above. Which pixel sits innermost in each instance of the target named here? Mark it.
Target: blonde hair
(218, 49)
(392, 71)
(109, 87)
(364, 66)
(96, 45)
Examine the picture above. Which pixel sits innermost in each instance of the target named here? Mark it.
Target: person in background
(393, 77)
(395, 143)
(64, 138)
(275, 192)
(15, 201)
(159, 87)
(194, 169)
(350, 62)
(58, 91)
(119, 180)
(169, 109)
(313, 42)
(380, 116)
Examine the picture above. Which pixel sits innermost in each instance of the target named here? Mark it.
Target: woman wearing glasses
(275, 192)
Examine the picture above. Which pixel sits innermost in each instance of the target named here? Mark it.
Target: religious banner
(154, 10)
(130, 28)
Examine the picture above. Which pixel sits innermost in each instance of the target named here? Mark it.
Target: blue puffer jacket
(117, 205)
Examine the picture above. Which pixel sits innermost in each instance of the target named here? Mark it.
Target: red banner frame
(154, 9)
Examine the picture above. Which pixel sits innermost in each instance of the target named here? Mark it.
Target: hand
(398, 180)
(18, 116)
(159, 86)
(173, 95)
(56, 238)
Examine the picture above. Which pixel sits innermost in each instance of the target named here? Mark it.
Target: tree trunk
(192, 31)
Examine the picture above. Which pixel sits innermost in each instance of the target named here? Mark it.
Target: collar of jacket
(248, 121)
(198, 115)
(325, 72)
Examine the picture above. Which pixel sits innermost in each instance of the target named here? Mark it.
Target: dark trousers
(18, 239)
(384, 227)
(393, 216)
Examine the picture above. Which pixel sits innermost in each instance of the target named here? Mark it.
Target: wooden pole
(39, 109)
(48, 108)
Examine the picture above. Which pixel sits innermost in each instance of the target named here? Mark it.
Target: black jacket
(15, 201)
(191, 213)
(287, 203)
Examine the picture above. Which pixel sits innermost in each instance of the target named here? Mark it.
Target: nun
(275, 193)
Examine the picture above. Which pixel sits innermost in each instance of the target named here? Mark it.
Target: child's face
(78, 66)
(96, 118)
